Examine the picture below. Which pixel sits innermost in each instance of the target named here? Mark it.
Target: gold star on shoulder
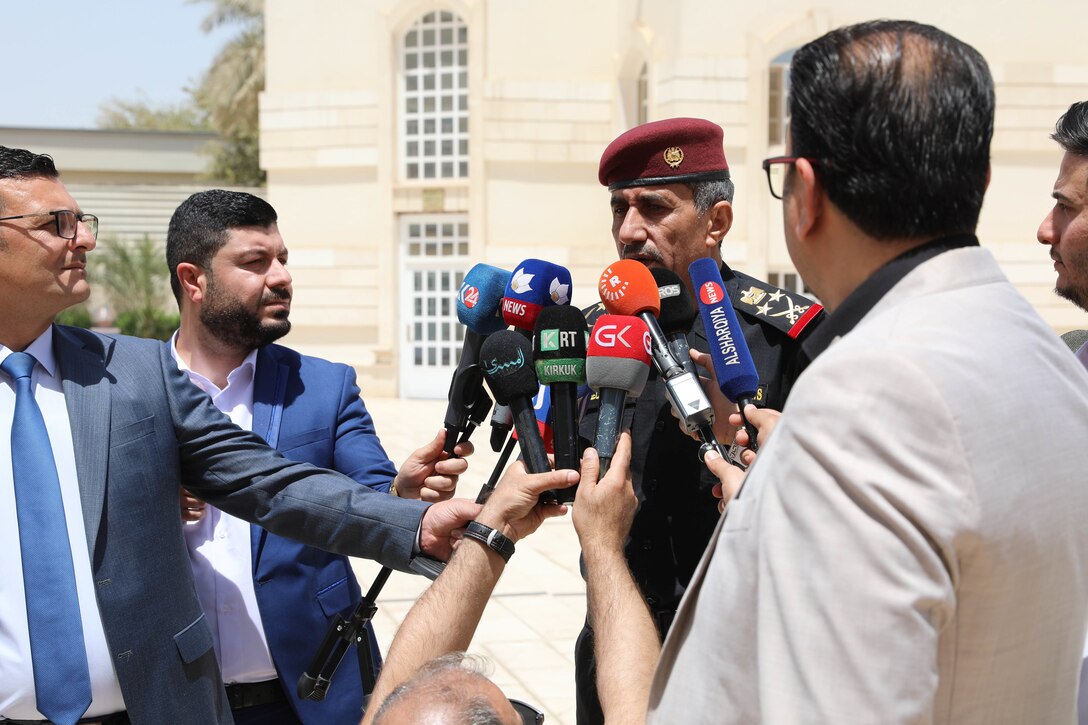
(763, 309)
(777, 295)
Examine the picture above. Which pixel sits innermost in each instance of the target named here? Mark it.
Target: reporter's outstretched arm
(445, 618)
(627, 644)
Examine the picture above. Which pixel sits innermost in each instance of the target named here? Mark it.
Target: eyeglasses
(777, 167)
(529, 714)
(67, 222)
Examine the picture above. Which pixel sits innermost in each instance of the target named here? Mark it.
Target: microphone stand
(352, 631)
(342, 634)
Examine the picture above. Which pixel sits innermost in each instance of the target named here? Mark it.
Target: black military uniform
(678, 513)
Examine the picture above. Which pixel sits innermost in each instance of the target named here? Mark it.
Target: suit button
(646, 545)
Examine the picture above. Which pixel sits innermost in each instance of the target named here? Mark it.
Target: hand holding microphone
(628, 288)
(559, 349)
(734, 370)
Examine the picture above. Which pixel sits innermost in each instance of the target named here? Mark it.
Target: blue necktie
(62, 680)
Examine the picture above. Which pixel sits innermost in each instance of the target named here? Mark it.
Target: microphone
(733, 365)
(478, 303)
(677, 315)
(559, 345)
(617, 365)
(628, 288)
(535, 284)
(506, 361)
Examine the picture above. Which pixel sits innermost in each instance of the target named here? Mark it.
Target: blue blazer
(310, 410)
(140, 429)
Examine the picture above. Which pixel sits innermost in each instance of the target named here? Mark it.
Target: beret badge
(674, 156)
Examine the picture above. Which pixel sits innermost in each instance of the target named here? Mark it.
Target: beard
(231, 323)
(1074, 295)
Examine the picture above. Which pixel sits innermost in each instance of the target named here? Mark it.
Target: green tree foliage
(136, 281)
(224, 101)
(228, 92)
(142, 114)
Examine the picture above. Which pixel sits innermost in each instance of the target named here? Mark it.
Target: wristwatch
(490, 538)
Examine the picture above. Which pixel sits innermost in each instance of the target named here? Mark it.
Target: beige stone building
(406, 140)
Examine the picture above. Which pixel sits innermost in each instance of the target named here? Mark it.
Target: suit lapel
(87, 397)
(269, 392)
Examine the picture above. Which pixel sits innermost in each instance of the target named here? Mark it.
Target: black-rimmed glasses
(529, 714)
(67, 222)
(777, 167)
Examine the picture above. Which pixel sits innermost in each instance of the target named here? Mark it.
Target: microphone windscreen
(627, 288)
(559, 345)
(677, 309)
(733, 366)
(619, 354)
(479, 300)
(506, 360)
(535, 284)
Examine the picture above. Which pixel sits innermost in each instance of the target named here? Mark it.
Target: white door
(434, 257)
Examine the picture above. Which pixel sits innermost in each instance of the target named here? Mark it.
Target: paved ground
(529, 628)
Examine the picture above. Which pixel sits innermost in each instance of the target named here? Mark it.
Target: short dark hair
(198, 228)
(23, 164)
(898, 117)
(1071, 130)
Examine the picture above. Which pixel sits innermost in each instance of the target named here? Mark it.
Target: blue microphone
(733, 365)
(478, 308)
(534, 285)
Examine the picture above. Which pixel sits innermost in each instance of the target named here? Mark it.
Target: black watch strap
(490, 538)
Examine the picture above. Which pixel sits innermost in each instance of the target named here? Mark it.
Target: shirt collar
(41, 350)
(862, 300)
(241, 375)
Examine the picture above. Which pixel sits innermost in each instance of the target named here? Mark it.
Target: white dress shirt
(16, 674)
(221, 554)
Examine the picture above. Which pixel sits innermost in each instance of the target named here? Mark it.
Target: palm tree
(229, 90)
(136, 280)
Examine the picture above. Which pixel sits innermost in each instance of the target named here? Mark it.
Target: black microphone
(506, 360)
(676, 316)
(559, 346)
(478, 303)
(617, 365)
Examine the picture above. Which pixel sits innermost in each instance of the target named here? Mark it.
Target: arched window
(778, 89)
(435, 98)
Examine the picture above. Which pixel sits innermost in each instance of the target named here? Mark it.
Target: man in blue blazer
(270, 600)
(123, 428)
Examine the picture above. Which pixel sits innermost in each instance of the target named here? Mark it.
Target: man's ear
(719, 219)
(193, 281)
(808, 196)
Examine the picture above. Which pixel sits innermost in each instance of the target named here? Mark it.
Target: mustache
(644, 254)
(276, 295)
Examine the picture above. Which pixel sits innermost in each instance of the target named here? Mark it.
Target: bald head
(450, 690)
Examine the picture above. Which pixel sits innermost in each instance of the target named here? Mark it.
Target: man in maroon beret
(671, 199)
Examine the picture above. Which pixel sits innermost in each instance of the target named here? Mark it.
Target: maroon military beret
(673, 151)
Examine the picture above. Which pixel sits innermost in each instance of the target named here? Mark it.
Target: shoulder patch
(789, 312)
(593, 312)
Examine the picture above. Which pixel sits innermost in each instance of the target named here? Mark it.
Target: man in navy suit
(122, 428)
(270, 600)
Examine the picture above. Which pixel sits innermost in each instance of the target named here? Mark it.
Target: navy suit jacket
(139, 429)
(310, 410)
